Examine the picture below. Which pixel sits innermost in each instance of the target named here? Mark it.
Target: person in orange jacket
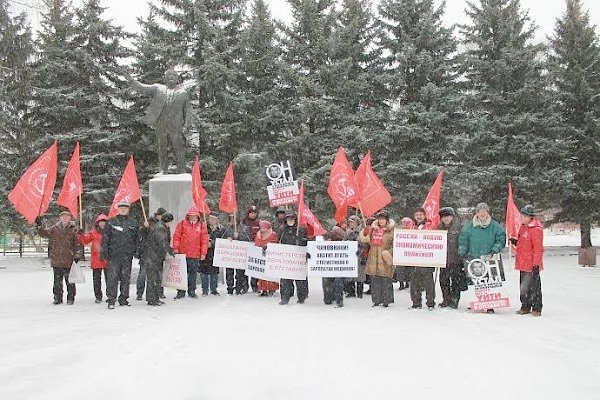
(191, 239)
(529, 261)
(94, 236)
(264, 236)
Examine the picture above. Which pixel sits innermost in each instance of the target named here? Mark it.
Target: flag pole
(362, 214)
(143, 209)
(235, 232)
(80, 212)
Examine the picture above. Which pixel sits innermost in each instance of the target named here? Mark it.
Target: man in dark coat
(422, 277)
(236, 279)
(296, 237)
(64, 250)
(119, 244)
(141, 280)
(279, 221)
(209, 275)
(157, 246)
(250, 224)
(452, 278)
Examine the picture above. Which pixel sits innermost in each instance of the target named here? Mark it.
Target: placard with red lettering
(286, 262)
(282, 188)
(231, 254)
(487, 275)
(175, 272)
(427, 248)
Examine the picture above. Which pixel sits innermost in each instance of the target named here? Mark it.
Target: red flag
(72, 185)
(32, 194)
(228, 200)
(306, 216)
(513, 216)
(342, 186)
(199, 194)
(128, 190)
(373, 195)
(432, 202)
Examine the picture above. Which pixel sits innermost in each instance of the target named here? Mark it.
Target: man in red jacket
(191, 239)
(529, 260)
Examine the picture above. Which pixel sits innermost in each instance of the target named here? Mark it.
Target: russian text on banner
(257, 260)
(175, 272)
(487, 274)
(231, 254)
(414, 248)
(332, 259)
(286, 261)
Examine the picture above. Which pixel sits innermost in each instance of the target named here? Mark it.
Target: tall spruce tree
(511, 127)
(575, 71)
(16, 49)
(419, 55)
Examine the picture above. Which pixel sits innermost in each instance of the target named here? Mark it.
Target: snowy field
(247, 347)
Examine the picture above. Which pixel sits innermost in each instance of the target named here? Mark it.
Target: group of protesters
(116, 241)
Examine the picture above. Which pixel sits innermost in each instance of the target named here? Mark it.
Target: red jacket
(95, 238)
(260, 242)
(191, 240)
(530, 247)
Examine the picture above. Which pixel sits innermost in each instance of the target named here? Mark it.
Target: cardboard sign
(231, 253)
(414, 248)
(256, 267)
(487, 275)
(282, 188)
(175, 272)
(286, 262)
(335, 259)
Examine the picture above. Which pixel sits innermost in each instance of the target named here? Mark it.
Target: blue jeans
(192, 271)
(207, 280)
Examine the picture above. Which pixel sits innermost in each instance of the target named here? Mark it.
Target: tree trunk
(586, 234)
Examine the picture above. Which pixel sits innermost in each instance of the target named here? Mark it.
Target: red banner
(432, 202)
(342, 187)
(373, 195)
(32, 194)
(128, 190)
(228, 200)
(72, 185)
(306, 216)
(199, 194)
(513, 216)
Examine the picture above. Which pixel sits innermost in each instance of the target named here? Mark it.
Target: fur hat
(528, 210)
(447, 212)
(482, 206)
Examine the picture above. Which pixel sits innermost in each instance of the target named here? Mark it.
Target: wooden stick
(362, 214)
(80, 212)
(235, 232)
(143, 209)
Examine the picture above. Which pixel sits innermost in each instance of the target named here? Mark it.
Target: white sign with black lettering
(333, 259)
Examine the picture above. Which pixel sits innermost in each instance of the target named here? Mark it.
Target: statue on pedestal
(167, 114)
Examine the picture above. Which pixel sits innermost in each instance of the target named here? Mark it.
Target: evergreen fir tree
(575, 71)
(420, 139)
(511, 128)
(16, 49)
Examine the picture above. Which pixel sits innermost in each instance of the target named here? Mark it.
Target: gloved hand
(171, 253)
(38, 221)
(307, 256)
(535, 269)
(513, 241)
(76, 260)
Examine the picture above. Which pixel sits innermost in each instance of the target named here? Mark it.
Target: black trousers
(286, 287)
(97, 278)
(236, 279)
(422, 280)
(153, 286)
(61, 274)
(531, 291)
(333, 290)
(452, 282)
(118, 277)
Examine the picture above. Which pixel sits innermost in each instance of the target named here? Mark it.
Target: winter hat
(280, 210)
(192, 211)
(482, 206)
(101, 217)
(420, 209)
(290, 214)
(167, 217)
(264, 224)
(528, 210)
(407, 223)
(354, 218)
(214, 214)
(160, 211)
(383, 214)
(252, 209)
(447, 212)
(123, 203)
(65, 212)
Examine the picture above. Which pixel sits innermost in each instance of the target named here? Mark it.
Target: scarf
(477, 223)
(377, 236)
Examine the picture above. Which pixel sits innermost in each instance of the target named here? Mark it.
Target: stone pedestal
(173, 192)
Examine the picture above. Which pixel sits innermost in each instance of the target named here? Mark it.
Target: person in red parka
(191, 239)
(529, 261)
(94, 237)
(264, 236)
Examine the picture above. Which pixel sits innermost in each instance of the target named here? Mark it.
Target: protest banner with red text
(175, 272)
(426, 248)
(231, 254)
(286, 261)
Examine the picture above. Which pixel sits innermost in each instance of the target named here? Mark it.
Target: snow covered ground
(251, 348)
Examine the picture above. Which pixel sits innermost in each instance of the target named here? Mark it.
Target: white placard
(286, 261)
(333, 259)
(175, 272)
(231, 254)
(427, 248)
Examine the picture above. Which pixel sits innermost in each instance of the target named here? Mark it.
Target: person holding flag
(452, 278)
(422, 277)
(355, 286)
(119, 245)
(209, 275)
(293, 235)
(158, 246)
(98, 266)
(64, 250)
(380, 237)
(140, 284)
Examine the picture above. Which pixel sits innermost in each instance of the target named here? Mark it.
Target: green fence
(14, 243)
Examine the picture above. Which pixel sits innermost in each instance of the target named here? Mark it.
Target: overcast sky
(543, 12)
